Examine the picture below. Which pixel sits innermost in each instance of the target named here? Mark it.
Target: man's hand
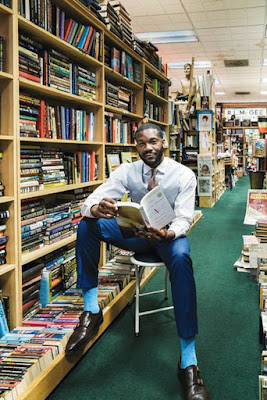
(154, 236)
(105, 209)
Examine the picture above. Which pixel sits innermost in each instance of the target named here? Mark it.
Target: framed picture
(204, 186)
(204, 120)
(113, 161)
(204, 164)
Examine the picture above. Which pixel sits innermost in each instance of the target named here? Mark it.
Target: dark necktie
(152, 181)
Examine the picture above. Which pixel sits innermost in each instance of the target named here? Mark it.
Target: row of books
(53, 19)
(119, 129)
(154, 111)
(40, 119)
(119, 97)
(2, 53)
(122, 63)
(53, 69)
(43, 168)
(154, 85)
(190, 140)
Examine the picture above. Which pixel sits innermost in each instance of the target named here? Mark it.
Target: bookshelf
(11, 143)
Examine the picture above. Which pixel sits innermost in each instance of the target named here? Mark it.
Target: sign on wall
(245, 113)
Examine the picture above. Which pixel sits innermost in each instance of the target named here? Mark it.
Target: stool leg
(166, 284)
(137, 292)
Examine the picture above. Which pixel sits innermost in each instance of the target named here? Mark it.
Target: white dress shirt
(177, 181)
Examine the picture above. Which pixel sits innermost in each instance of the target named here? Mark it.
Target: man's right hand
(105, 209)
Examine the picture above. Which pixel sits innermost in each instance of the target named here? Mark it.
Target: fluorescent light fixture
(219, 93)
(263, 80)
(216, 81)
(263, 92)
(264, 62)
(168, 36)
(197, 64)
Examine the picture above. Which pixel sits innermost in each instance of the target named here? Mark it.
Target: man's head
(187, 70)
(149, 144)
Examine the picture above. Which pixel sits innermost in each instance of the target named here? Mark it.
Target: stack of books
(31, 278)
(29, 116)
(33, 223)
(29, 60)
(261, 230)
(125, 22)
(30, 169)
(53, 174)
(83, 82)
(111, 18)
(138, 46)
(58, 223)
(119, 97)
(4, 215)
(56, 71)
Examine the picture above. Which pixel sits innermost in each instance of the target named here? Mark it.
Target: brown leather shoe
(84, 331)
(194, 388)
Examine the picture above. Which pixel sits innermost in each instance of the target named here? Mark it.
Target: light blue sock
(188, 352)
(90, 300)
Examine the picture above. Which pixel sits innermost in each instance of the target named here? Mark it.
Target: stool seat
(141, 261)
(148, 259)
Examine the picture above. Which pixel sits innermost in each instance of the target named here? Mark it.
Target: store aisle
(121, 366)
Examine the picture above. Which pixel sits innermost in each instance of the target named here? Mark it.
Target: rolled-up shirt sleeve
(184, 208)
(114, 188)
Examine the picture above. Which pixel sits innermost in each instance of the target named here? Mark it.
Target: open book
(154, 210)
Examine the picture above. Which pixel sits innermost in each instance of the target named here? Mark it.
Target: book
(154, 210)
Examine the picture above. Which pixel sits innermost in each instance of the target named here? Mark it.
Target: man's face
(150, 147)
(187, 70)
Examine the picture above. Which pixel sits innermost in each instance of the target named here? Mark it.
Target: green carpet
(120, 366)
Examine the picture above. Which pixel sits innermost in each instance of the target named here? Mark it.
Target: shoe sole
(94, 333)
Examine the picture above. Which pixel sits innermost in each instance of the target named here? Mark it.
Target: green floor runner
(120, 366)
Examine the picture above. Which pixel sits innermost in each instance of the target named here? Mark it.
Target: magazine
(154, 210)
(256, 206)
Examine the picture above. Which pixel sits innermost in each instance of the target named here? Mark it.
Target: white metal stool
(141, 261)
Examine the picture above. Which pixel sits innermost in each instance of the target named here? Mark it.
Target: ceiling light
(219, 93)
(264, 62)
(263, 80)
(263, 92)
(168, 36)
(197, 64)
(216, 81)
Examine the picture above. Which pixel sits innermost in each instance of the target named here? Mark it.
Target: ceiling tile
(172, 8)
(213, 5)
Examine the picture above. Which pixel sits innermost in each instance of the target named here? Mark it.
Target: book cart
(11, 84)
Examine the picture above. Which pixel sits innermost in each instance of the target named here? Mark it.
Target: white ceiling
(226, 29)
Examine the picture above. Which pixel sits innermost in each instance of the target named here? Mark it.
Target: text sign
(245, 113)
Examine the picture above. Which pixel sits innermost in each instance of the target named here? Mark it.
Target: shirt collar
(161, 167)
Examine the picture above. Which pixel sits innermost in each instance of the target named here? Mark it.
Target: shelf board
(174, 149)
(4, 75)
(120, 144)
(5, 10)
(120, 111)
(33, 255)
(240, 127)
(6, 199)
(44, 36)
(59, 141)
(59, 189)
(154, 97)
(6, 268)
(153, 121)
(6, 137)
(47, 91)
(111, 74)
(51, 376)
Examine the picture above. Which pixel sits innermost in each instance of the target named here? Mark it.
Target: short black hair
(187, 65)
(149, 125)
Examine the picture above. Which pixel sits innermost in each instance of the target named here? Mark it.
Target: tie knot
(153, 172)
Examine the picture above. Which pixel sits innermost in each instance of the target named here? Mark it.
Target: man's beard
(157, 159)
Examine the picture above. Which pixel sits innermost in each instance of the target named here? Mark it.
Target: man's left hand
(154, 236)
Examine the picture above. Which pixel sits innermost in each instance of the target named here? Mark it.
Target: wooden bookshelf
(11, 142)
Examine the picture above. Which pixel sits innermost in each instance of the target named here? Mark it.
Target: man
(185, 82)
(178, 183)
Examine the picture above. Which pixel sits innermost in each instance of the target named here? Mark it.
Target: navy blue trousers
(175, 255)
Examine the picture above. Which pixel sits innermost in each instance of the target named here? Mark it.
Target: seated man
(171, 244)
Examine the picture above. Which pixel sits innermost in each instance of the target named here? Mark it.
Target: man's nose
(148, 146)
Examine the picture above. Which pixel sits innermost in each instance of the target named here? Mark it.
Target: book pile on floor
(245, 263)
(261, 230)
